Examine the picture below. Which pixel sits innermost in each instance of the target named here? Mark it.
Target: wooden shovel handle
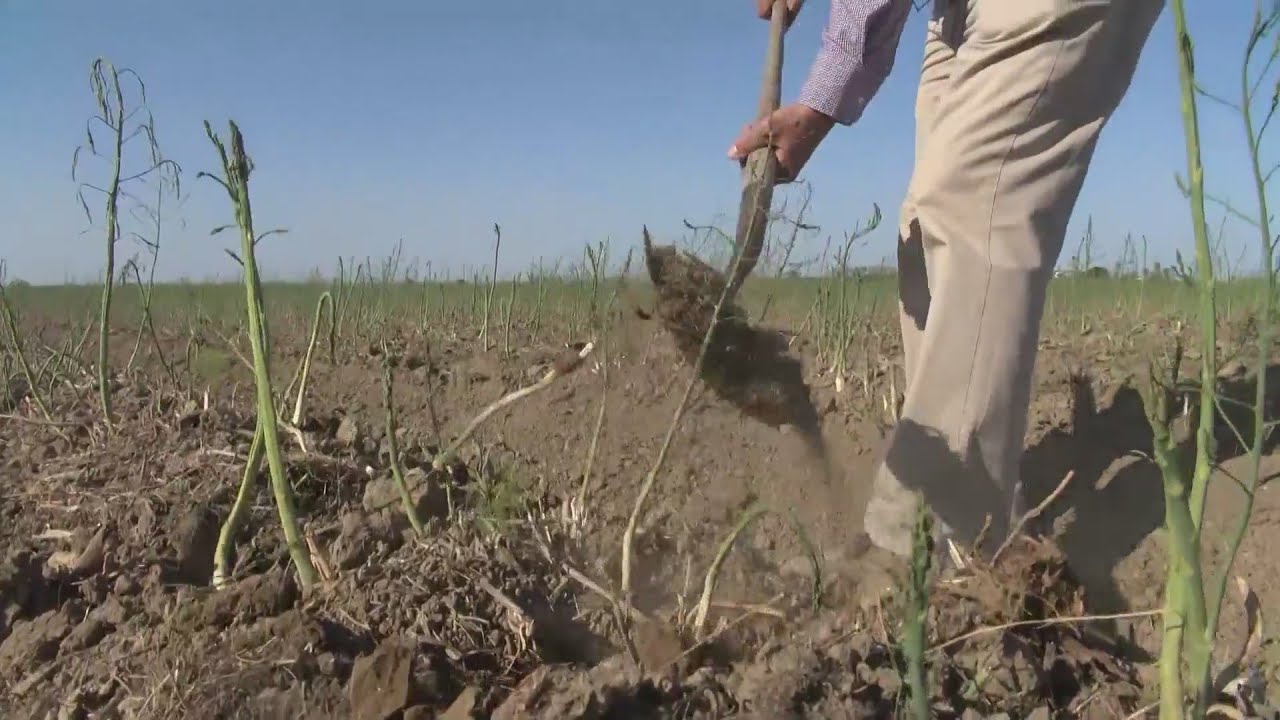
(771, 87)
(761, 169)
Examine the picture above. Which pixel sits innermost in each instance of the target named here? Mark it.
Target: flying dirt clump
(747, 366)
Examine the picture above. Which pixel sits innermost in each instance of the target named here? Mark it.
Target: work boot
(890, 515)
(890, 519)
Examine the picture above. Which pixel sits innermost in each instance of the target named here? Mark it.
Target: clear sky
(566, 122)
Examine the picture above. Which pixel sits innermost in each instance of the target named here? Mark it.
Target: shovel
(760, 172)
(748, 366)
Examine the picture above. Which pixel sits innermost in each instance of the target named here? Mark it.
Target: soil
(107, 608)
(749, 367)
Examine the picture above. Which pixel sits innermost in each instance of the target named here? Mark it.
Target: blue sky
(566, 122)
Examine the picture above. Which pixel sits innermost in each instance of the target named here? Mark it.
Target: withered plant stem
(555, 373)
(393, 443)
(304, 367)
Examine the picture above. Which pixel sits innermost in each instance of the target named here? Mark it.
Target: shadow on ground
(1115, 498)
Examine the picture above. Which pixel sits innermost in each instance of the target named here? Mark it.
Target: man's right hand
(794, 131)
(764, 9)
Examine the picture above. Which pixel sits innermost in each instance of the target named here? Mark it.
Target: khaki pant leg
(1029, 89)
(943, 36)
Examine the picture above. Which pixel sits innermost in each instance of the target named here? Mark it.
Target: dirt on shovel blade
(747, 366)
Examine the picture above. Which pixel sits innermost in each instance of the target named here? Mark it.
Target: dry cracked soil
(503, 609)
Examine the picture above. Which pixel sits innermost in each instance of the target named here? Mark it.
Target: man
(1012, 97)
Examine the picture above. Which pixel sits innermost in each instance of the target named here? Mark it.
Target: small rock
(154, 578)
(1233, 369)
(799, 566)
(348, 433)
(85, 635)
(112, 612)
(189, 416)
(382, 494)
(888, 680)
(379, 686)
(554, 692)
(126, 585)
(355, 542)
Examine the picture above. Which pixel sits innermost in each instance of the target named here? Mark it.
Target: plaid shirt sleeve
(856, 55)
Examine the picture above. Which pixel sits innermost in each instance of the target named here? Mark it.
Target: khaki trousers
(1013, 95)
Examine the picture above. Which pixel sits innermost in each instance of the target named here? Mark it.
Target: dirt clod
(197, 536)
(33, 641)
(752, 368)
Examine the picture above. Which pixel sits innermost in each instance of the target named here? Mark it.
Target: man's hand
(796, 132)
(764, 9)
